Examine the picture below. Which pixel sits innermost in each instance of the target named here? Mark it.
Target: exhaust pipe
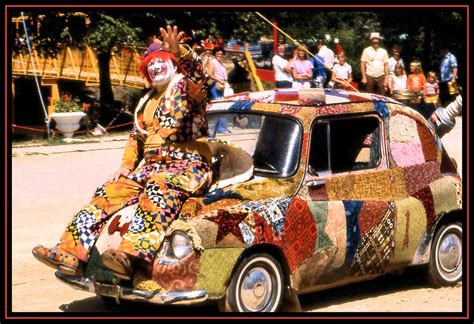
(444, 119)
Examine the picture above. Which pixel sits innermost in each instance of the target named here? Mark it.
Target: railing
(80, 64)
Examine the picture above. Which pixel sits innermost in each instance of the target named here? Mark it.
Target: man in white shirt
(282, 69)
(374, 66)
(327, 53)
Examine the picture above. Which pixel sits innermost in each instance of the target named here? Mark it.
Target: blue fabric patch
(219, 194)
(352, 208)
(381, 108)
(242, 105)
(337, 93)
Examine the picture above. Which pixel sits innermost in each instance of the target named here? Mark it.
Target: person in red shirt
(416, 80)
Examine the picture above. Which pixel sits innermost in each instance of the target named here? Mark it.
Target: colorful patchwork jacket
(180, 116)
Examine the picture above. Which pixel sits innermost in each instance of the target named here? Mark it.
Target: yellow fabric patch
(459, 195)
(371, 185)
(444, 195)
(215, 268)
(261, 188)
(206, 230)
(306, 115)
(410, 226)
(379, 185)
(361, 107)
(121, 191)
(340, 187)
(141, 281)
(266, 107)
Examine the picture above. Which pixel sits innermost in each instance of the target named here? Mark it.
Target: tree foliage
(421, 32)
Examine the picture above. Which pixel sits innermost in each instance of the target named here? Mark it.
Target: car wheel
(445, 266)
(108, 301)
(256, 285)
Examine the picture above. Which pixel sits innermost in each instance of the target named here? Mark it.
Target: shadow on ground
(96, 304)
(412, 278)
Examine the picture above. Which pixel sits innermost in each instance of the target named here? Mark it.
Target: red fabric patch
(304, 151)
(228, 223)
(279, 96)
(428, 143)
(331, 110)
(300, 233)
(370, 215)
(177, 277)
(426, 197)
(318, 194)
(115, 227)
(356, 98)
(264, 232)
(420, 176)
(290, 110)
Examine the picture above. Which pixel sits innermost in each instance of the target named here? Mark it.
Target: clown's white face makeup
(161, 72)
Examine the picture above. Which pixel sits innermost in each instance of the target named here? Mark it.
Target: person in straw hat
(374, 66)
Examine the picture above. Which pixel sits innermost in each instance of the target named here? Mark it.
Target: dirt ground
(50, 183)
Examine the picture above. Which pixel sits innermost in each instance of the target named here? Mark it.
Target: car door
(348, 188)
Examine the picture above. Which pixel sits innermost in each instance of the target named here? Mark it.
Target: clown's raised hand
(171, 38)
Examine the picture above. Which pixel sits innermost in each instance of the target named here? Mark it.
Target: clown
(168, 121)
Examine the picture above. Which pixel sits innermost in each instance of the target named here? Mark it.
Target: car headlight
(181, 245)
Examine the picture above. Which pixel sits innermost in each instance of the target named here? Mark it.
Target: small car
(318, 188)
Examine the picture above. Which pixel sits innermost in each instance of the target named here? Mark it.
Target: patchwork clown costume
(167, 125)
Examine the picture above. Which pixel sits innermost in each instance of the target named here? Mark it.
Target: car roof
(300, 97)
(277, 100)
(309, 103)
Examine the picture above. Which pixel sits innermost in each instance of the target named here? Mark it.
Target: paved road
(50, 183)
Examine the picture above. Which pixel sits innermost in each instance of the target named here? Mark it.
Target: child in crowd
(431, 89)
(398, 81)
(430, 94)
(416, 80)
(342, 73)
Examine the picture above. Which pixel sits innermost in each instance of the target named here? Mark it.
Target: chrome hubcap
(450, 253)
(256, 289)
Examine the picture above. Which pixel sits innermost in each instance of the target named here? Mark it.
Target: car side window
(343, 145)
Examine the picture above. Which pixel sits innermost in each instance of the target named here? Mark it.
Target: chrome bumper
(125, 293)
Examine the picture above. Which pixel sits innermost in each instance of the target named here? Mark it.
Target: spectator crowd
(381, 73)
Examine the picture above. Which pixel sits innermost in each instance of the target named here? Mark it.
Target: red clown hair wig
(163, 55)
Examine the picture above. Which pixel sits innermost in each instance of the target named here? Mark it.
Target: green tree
(50, 31)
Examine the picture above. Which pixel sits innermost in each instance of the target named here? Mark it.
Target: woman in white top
(218, 73)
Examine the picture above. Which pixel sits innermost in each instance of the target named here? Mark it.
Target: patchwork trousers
(160, 188)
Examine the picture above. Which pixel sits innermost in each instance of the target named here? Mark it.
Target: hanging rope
(46, 120)
(298, 44)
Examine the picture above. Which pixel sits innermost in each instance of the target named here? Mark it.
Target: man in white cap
(374, 66)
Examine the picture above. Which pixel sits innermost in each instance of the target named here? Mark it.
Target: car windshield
(274, 142)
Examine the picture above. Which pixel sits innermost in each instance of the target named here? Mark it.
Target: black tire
(445, 266)
(109, 301)
(263, 276)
